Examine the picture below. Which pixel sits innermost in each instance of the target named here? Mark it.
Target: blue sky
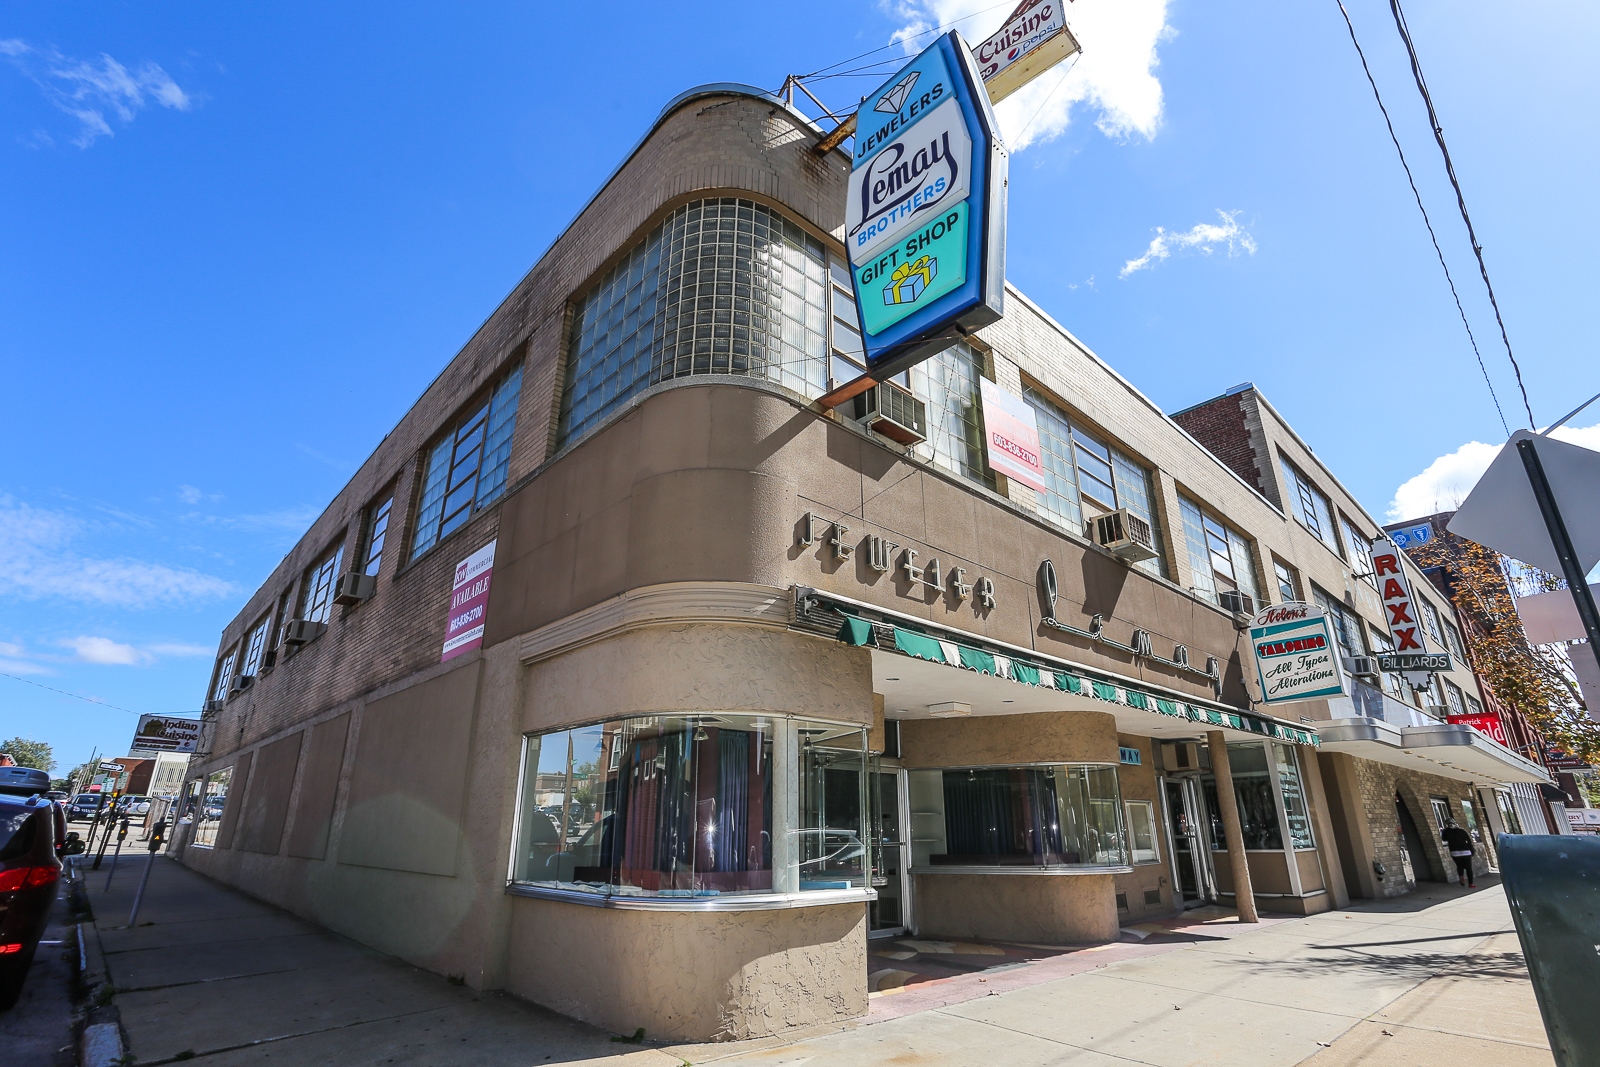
(236, 244)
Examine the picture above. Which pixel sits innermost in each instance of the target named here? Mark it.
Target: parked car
(133, 804)
(83, 806)
(56, 795)
(32, 831)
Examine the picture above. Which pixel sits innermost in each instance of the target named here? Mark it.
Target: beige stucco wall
(699, 667)
(1138, 782)
(1057, 909)
(998, 740)
(691, 976)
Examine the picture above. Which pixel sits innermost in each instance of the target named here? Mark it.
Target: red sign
(1013, 436)
(1397, 607)
(1486, 723)
(469, 603)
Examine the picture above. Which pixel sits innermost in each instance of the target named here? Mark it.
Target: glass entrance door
(1190, 851)
(890, 913)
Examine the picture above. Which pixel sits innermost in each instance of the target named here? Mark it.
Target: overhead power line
(1425, 220)
(1461, 200)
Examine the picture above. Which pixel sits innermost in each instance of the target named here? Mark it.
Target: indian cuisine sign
(469, 603)
(1034, 39)
(1296, 657)
(925, 218)
(166, 733)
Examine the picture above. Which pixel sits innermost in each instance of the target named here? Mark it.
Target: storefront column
(1243, 893)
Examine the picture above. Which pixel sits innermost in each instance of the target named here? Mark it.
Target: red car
(32, 834)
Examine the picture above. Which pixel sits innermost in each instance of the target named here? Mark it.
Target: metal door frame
(903, 847)
(1200, 844)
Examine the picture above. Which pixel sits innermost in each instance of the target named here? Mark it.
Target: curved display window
(705, 806)
(1060, 815)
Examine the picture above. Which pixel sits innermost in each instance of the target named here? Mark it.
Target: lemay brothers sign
(1295, 654)
(925, 220)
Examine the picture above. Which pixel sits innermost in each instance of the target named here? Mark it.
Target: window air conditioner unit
(241, 682)
(302, 631)
(353, 588)
(1235, 601)
(211, 707)
(888, 409)
(1126, 535)
(1438, 711)
(1364, 667)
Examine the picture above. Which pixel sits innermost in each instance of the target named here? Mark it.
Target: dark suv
(32, 835)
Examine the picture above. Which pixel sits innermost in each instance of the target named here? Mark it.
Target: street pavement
(213, 975)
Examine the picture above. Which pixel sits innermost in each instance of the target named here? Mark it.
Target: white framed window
(1085, 477)
(255, 647)
(1360, 549)
(466, 469)
(316, 596)
(1454, 697)
(1141, 816)
(1288, 581)
(224, 675)
(377, 534)
(1452, 640)
(1309, 505)
(1430, 619)
(1219, 556)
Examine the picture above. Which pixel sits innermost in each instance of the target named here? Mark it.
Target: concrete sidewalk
(1436, 977)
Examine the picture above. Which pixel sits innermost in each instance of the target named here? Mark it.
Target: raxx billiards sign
(926, 220)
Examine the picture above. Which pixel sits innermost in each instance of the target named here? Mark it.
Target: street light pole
(1577, 582)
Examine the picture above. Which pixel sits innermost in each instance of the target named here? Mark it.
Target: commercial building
(623, 677)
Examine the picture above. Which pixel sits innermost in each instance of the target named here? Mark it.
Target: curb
(101, 1045)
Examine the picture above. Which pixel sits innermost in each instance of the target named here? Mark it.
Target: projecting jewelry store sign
(1295, 654)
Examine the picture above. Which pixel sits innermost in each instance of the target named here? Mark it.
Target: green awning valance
(859, 632)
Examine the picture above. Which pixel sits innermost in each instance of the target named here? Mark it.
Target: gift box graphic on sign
(909, 280)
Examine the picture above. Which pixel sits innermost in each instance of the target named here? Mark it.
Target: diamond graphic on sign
(893, 100)
(910, 280)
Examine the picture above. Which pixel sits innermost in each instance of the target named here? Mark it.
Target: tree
(35, 754)
(1534, 679)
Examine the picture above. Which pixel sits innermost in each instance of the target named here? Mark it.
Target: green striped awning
(861, 632)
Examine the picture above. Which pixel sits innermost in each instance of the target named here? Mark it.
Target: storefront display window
(1294, 797)
(213, 799)
(1257, 796)
(1059, 815)
(1142, 831)
(694, 806)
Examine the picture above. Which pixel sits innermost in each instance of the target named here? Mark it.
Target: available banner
(469, 603)
(1486, 723)
(1295, 654)
(166, 733)
(1013, 432)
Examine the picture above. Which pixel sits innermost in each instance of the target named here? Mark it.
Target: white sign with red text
(1034, 39)
(469, 603)
(1399, 612)
(1295, 654)
(1013, 432)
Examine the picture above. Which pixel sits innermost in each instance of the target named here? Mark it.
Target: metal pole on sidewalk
(121, 835)
(1577, 582)
(144, 879)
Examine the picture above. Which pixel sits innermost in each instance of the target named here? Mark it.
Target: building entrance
(1415, 859)
(1192, 874)
(891, 856)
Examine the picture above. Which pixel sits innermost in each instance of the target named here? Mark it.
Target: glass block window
(377, 533)
(948, 384)
(1083, 473)
(1309, 505)
(316, 598)
(467, 468)
(1219, 556)
(255, 647)
(722, 286)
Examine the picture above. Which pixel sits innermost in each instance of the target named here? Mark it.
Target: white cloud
(1445, 483)
(1203, 237)
(179, 649)
(189, 494)
(1114, 75)
(106, 651)
(37, 563)
(94, 91)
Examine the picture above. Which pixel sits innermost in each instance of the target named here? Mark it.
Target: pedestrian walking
(1459, 842)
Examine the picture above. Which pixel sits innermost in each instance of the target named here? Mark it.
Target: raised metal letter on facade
(909, 562)
(1047, 588)
(985, 591)
(808, 529)
(880, 553)
(958, 584)
(841, 548)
